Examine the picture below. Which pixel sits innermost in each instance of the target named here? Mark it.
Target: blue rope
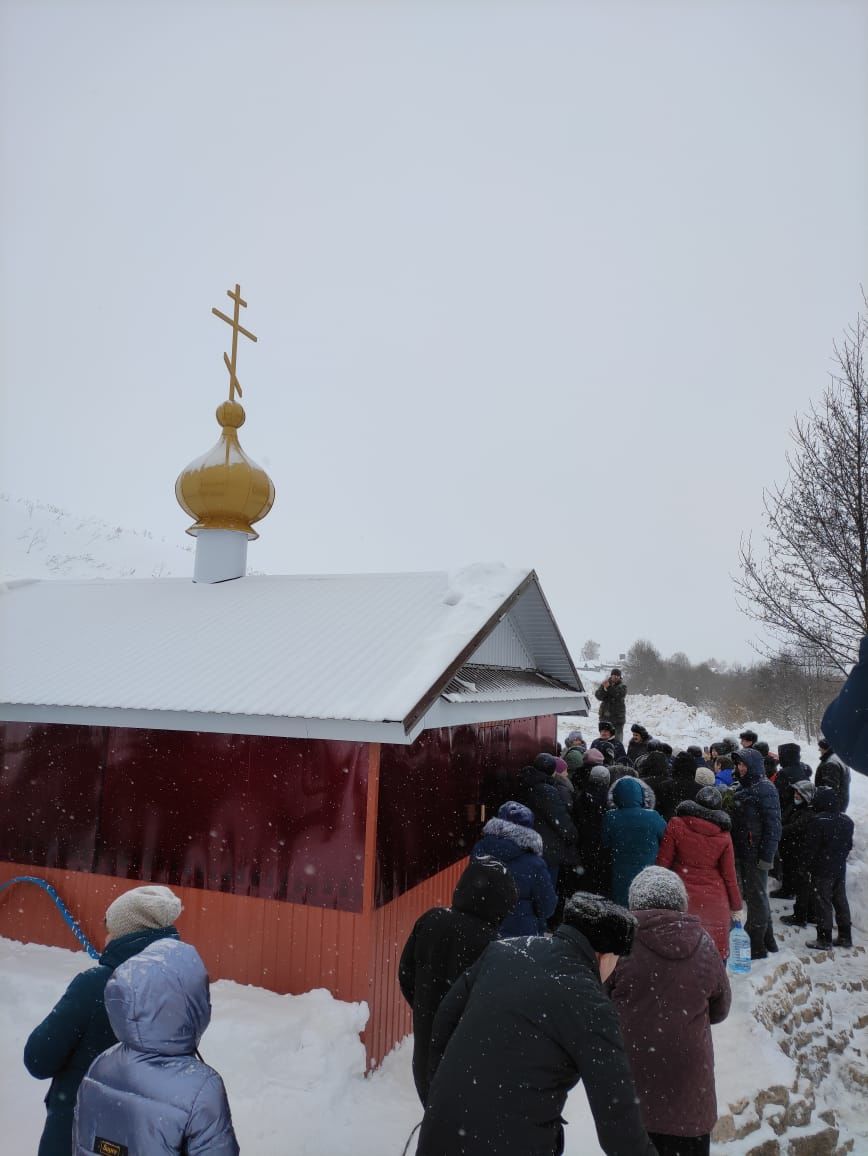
(73, 924)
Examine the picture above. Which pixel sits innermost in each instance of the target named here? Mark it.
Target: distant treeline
(789, 689)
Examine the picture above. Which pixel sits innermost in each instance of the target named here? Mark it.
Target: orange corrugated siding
(280, 946)
(390, 927)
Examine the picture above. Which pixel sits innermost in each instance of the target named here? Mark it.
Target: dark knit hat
(605, 925)
(574, 759)
(615, 670)
(514, 812)
(545, 762)
(710, 797)
(824, 744)
(486, 889)
(749, 736)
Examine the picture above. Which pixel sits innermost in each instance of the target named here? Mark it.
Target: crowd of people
(586, 940)
(588, 936)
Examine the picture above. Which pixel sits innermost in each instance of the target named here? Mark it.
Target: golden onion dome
(224, 489)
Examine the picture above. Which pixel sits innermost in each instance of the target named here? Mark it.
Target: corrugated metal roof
(365, 647)
(497, 684)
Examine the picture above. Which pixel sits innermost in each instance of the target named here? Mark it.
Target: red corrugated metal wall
(284, 946)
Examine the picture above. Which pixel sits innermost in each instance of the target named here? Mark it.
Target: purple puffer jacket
(150, 1093)
(667, 992)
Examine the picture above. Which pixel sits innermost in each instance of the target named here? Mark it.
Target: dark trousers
(803, 907)
(754, 883)
(681, 1145)
(830, 891)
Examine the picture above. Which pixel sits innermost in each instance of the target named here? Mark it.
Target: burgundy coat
(667, 992)
(697, 845)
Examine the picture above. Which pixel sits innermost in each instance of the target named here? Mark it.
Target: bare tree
(810, 587)
(591, 651)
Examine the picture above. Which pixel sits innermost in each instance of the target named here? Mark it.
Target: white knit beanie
(142, 909)
(704, 777)
(657, 887)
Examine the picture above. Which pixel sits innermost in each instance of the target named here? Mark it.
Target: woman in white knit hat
(77, 1029)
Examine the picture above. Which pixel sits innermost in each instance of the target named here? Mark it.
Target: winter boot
(844, 938)
(769, 941)
(781, 894)
(823, 942)
(792, 921)
(758, 948)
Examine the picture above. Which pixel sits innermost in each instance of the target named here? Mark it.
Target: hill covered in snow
(39, 540)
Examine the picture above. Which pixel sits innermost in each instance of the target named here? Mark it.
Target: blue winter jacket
(828, 838)
(150, 1094)
(633, 833)
(520, 849)
(756, 813)
(845, 723)
(74, 1033)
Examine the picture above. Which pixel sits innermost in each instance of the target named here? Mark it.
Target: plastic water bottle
(739, 949)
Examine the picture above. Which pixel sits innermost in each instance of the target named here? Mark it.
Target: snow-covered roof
(357, 655)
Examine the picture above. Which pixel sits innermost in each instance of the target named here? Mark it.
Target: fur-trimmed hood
(692, 810)
(524, 837)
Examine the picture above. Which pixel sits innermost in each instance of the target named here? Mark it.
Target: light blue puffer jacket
(150, 1094)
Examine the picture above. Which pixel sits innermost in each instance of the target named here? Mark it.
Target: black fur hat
(605, 925)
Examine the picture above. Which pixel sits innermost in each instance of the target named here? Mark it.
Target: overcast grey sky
(537, 282)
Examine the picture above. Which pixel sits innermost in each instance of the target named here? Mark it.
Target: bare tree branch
(810, 586)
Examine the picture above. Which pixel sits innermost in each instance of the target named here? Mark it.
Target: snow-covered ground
(294, 1065)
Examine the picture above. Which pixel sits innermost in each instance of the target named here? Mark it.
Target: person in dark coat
(592, 803)
(794, 829)
(845, 723)
(832, 772)
(77, 1029)
(608, 736)
(654, 769)
(551, 818)
(638, 744)
(698, 847)
(791, 770)
(668, 992)
(684, 768)
(519, 1030)
(633, 835)
(510, 837)
(153, 1093)
(828, 842)
(612, 697)
(756, 832)
(444, 942)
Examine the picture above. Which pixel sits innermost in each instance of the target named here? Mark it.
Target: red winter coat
(667, 993)
(697, 845)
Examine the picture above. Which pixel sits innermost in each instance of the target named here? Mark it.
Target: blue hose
(73, 925)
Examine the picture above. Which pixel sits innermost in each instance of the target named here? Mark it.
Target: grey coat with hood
(150, 1093)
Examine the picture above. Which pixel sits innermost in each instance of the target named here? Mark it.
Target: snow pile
(678, 724)
(293, 1065)
(38, 540)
